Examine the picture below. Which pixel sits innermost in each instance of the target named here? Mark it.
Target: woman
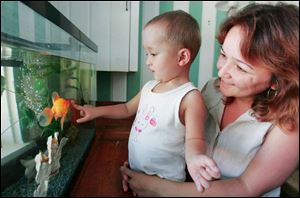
(253, 129)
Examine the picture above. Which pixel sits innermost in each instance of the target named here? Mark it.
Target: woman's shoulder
(211, 86)
(211, 93)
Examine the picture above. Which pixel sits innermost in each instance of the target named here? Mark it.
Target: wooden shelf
(100, 175)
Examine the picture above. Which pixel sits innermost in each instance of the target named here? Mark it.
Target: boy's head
(180, 30)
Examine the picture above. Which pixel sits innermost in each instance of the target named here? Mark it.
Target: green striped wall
(196, 12)
(165, 6)
(221, 16)
(104, 86)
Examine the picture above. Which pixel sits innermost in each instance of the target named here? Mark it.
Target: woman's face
(239, 78)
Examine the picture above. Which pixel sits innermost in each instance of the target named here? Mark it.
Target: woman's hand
(125, 178)
(141, 184)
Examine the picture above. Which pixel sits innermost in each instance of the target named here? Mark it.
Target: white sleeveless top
(235, 146)
(157, 137)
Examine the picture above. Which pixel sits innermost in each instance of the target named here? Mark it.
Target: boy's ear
(184, 55)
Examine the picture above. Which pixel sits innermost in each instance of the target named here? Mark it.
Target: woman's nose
(224, 69)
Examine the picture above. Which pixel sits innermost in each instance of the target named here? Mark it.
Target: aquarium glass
(38, 59)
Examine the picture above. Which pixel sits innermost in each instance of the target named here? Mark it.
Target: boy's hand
(87, 111)
(202, 169)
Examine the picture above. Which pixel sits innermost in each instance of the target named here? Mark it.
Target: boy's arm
(113, 111)
(123, 110)
(193, 114)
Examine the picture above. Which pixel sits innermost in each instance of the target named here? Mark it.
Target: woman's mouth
(225, 84)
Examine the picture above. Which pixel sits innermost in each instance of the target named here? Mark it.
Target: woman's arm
(274, 162)
(272, 165)
(153, 186)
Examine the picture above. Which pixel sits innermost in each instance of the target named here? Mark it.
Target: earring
(271, 95)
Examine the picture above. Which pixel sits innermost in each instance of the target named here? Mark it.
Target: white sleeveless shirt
(236, 145)
(157, 137)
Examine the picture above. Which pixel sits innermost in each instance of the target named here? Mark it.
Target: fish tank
(46, 63)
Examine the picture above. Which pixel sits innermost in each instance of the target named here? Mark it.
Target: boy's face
(162, 56)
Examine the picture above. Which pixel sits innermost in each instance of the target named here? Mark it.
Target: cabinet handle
(126, 5)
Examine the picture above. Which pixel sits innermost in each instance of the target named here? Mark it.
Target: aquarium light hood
(48, 11)
(12, 40)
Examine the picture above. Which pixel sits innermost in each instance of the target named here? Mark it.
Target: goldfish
(59, 109)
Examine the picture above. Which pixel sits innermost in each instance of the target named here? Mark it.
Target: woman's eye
(153, 54)
(240, 69)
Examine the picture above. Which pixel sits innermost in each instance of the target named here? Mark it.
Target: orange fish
(59, 109)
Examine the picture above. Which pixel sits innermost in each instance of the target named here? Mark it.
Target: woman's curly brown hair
(271, 35)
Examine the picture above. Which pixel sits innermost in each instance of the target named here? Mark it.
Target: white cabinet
(114, 28)
(77, 12)
(79, 15)
(112, 25)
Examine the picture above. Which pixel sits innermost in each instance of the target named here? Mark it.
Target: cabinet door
(110, 31)
(79, 15)
(114, 28)
(119, 35)
(134, 35)
(100, 32)
(112, 25)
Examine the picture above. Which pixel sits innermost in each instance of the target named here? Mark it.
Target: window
(11, 140)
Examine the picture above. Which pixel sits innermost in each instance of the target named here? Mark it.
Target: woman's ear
(274, 84)
(184, 55)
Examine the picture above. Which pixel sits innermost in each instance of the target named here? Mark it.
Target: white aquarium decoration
(47, 164)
